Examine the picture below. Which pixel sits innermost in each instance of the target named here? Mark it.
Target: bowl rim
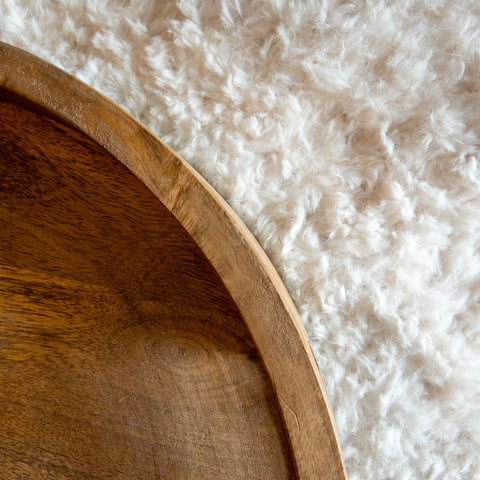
(252, 281)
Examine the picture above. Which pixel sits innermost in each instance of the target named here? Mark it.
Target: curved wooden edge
(255, 286)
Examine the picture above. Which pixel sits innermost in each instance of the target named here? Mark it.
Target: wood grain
(143, 332)
(116, 334)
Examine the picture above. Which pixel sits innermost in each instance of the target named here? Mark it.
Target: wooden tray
(143, 332)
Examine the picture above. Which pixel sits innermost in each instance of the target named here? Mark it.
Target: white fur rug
(346, 135)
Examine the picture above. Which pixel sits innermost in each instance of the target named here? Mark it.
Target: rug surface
(346, 136)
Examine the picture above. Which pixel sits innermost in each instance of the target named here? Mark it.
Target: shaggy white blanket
(346, 136)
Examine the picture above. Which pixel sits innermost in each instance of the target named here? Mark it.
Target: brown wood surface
(143, 332)
(122, 355)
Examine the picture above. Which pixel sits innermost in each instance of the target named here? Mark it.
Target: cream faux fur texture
(346, 135)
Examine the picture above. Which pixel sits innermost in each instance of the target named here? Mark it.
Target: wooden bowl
(143, 332)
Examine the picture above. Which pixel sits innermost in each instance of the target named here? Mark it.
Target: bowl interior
(122, 354)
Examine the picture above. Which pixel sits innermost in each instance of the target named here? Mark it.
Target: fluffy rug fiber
(346, 136)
